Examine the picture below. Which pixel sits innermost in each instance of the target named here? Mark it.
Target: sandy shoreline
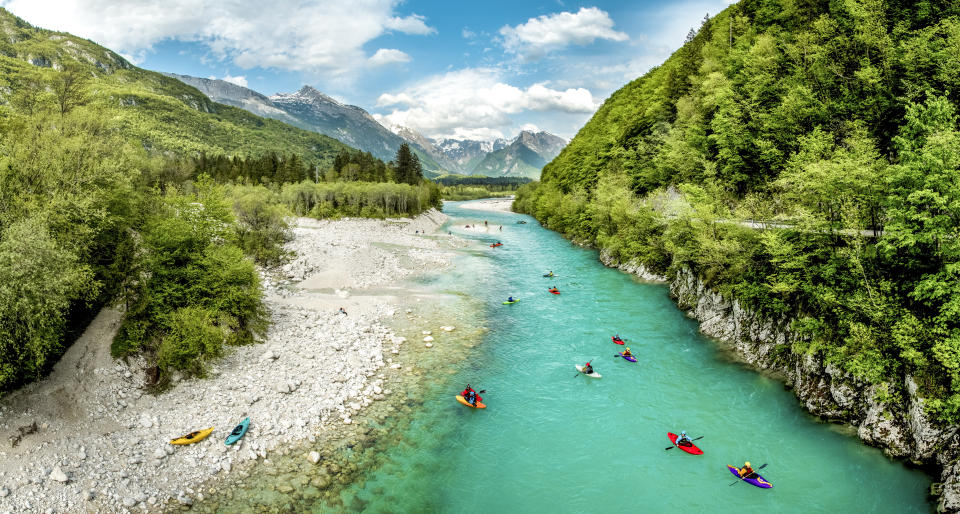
(102, 442)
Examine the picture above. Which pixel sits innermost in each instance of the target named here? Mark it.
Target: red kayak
(692, 449)
(496, 245)
(615, 340)
(554, 291)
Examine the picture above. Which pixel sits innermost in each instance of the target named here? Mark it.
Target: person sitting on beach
(342, 311)
(587, 369)
(746, 471)
(683, 440)
(626, 352)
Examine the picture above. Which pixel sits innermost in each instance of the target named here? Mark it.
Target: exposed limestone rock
(901, 431)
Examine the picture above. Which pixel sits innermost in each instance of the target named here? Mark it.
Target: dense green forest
(121, 186)
(832, 123)
(471, 187)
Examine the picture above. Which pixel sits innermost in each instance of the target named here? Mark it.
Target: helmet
(683, 432)
(628, 348)
(747, 464)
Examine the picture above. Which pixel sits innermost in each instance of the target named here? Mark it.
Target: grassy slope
(164, 113)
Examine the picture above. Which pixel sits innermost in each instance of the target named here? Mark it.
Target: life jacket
(466, 393)
(746, 471)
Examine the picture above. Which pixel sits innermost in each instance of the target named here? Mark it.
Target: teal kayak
(238, 432)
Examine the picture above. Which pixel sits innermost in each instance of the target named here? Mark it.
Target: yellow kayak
(468, 404)
(193, 437)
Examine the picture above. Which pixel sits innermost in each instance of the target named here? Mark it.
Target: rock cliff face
(901, 429)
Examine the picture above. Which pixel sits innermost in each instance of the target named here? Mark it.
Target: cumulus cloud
(547, 33)
(387, 56)
(300, 35)
(240, 81)
(413, 24)
(475, 101)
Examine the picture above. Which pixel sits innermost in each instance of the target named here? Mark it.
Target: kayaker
(471, 396)
(626, 352)
(342, 311)
(550, 274)
(587, 369)
(617, 338)
(510, 299)
(683, 440)
(746, 471)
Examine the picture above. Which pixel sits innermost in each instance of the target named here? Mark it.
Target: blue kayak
(630, 358)
(239, 431)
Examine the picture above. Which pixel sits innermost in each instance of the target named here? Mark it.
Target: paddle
(754, 472)
(697, 439)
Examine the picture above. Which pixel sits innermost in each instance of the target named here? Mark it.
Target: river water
(551, 441)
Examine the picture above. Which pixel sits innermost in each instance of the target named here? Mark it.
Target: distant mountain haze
(524, 156)
(312, 110)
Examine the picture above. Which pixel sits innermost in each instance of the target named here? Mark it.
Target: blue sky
(462, 69)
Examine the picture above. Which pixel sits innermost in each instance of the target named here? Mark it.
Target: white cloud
(387, 56)
(546, 33)
(240, 81)
(301, 35)
(413, 24)
(530, 127)
(475, 101)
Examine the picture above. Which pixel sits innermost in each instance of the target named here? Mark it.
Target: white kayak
(591, 375)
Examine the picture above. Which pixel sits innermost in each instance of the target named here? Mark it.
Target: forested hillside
(121, 186)
(160, 111)
(833, 123)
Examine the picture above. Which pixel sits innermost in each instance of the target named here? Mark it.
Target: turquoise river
(554, 442)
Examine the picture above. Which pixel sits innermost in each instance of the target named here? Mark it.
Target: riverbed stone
(57, 475)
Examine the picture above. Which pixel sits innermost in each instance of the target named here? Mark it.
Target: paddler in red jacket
(471, 396)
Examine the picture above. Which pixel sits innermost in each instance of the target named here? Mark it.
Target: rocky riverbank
(101, 443)
(902, 431)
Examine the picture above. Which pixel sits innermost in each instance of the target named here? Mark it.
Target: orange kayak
(464, 401)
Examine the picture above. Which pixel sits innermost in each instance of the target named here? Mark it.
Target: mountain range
(310, 109)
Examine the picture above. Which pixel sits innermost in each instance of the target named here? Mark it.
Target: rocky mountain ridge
(312, 110)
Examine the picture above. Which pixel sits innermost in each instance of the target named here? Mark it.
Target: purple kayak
(757, 480)
(630, 358)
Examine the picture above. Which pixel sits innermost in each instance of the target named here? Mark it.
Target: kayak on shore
(238, 432)
(193, 437)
